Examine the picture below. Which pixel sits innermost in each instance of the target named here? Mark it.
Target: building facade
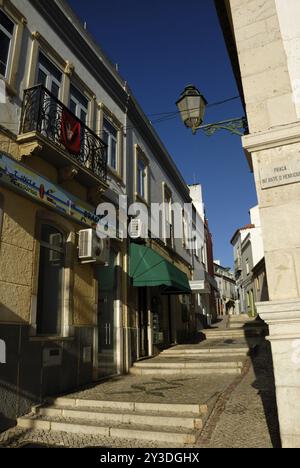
(227, 291)
(262, 40)
(260, 282)
(248, 252)
(203, 284)
(75, 143)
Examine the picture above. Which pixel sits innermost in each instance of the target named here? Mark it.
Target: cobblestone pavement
(246, 417)
(242, 410)
(18, 438)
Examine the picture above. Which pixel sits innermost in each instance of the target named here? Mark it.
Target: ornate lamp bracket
(234, 126)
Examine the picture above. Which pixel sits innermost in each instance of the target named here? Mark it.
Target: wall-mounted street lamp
(192, 107)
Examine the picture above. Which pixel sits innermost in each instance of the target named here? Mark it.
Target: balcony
(51, 131)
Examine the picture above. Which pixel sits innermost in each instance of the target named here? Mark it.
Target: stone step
(180, 436)
(229, 334)
(184, 420)
(160, 408)
(167, 364)
(216, 352)
(184, 371)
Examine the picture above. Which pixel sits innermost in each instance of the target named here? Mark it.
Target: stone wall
(263, 64)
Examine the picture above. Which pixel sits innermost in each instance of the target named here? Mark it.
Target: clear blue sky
(161, 46)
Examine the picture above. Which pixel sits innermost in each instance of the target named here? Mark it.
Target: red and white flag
(70, 132)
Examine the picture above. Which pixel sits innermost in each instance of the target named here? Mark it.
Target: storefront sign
(282, 172)
(18, 177)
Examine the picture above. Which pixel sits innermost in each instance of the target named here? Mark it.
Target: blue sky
(160, 46)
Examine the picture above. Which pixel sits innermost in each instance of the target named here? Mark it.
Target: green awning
(148, 268)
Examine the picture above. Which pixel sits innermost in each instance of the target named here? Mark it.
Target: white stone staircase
(164, 424)
(224, 352)
(167, 365)
(178, 424)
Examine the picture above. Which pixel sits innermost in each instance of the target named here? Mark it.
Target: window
(141, 178)
(248, 299)
(49, 75)
(110, 137)
(196, 245)
(6, 35)
(169, 221)
(79, 104)
(247, 267)
(50, 285)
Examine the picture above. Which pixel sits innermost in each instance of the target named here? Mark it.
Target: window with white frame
(79, 104)
(184, 230)
(196, 247)
(110, 137)
(247, 267)
(49, 75)
(169, 221)
(142, 178)
(7, 27)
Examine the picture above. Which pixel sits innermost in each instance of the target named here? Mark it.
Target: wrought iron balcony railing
(43, 113)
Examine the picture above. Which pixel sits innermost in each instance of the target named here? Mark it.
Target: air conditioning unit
(93, 249)
(137, 229)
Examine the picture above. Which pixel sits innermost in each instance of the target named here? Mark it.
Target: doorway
(107, 295)
(143, 322)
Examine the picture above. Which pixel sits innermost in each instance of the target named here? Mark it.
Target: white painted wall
(288, 12)
(197, 197)
(256, 236)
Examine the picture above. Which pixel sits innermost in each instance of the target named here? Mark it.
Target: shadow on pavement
(262, 361)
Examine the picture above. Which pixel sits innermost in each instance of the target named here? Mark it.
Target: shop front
(49, 298)
(161, 288)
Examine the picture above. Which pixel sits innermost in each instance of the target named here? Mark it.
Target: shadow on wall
(25, 379)
(262, 361)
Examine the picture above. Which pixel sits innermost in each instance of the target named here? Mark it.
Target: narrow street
(218, 393)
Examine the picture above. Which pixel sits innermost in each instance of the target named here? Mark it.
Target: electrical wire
(165, 116)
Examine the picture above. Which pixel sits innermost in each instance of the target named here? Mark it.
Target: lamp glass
(191, 106)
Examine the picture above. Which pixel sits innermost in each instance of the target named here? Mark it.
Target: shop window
(50, 281)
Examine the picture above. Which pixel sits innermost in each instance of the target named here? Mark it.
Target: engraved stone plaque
(280, 172)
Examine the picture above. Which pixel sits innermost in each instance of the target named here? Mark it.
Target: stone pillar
(267, 38)
(283, 318)
(275, 156)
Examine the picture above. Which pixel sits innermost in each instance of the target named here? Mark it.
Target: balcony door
(49, 75)
(51, 78)
(79, 104)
